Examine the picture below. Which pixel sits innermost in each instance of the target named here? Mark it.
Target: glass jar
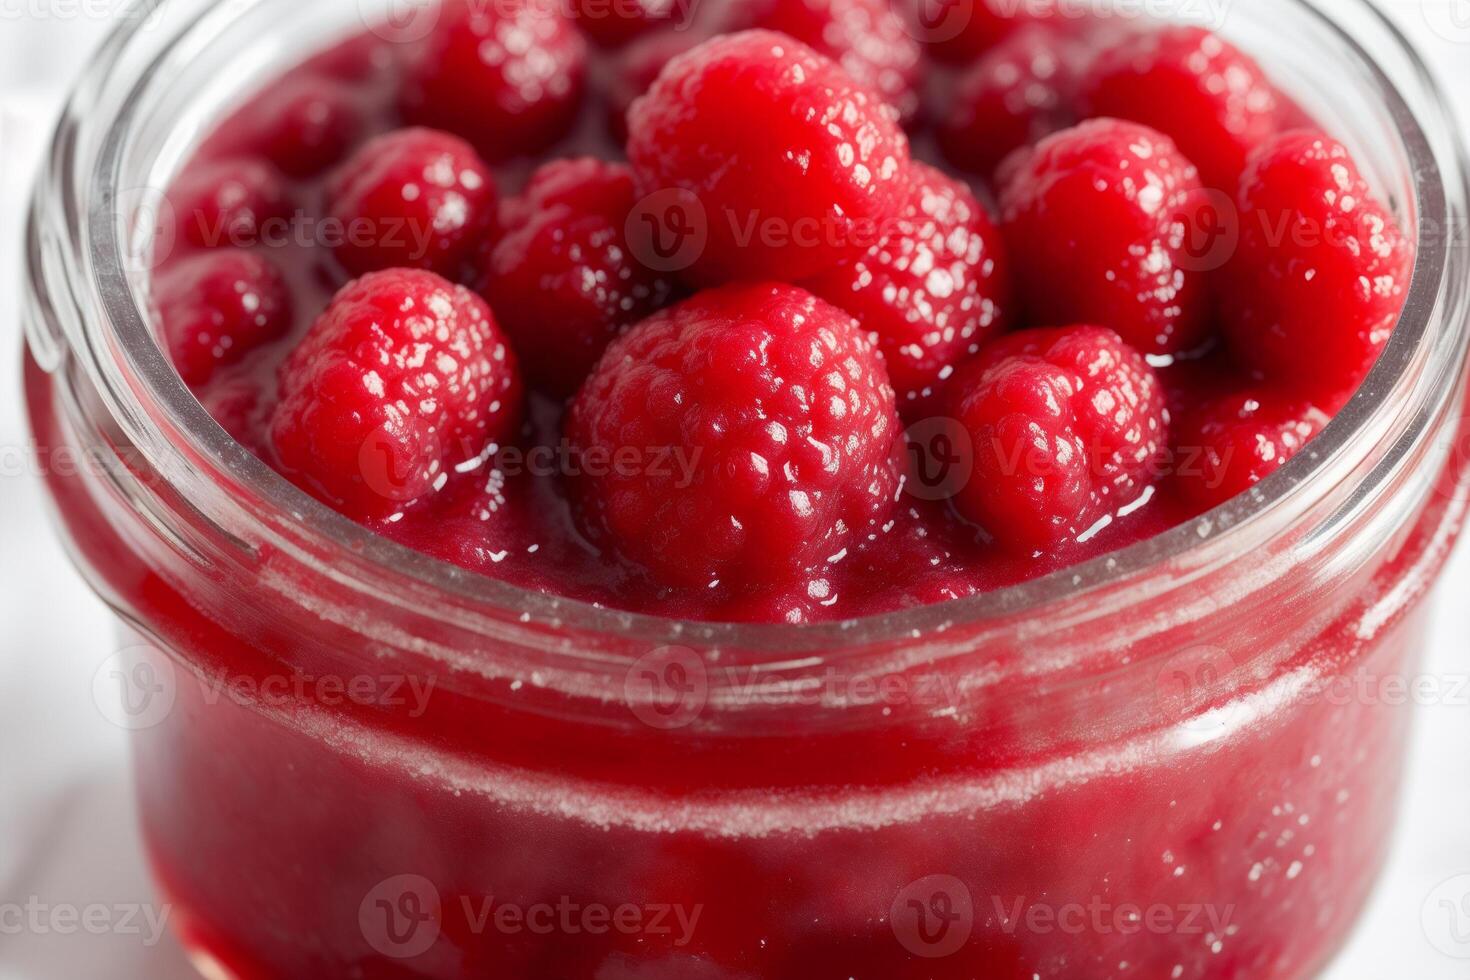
(354, 761)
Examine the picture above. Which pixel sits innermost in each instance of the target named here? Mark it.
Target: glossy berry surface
(403, 376)
(793, 163)
(415, 198)
(781, 407)
(1066, 425)
(932, 292)
(868, 38)
(638, 66)
(1316, 284)
(1098, 221)
(612, 24)
(306, 125)
(1229, 444)
(562, 278)
(1195, 87)
(959, 31)
(507, 76)
(1013, 96)
(217, 306)
(222, 203)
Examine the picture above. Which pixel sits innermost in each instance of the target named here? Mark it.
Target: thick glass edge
(148, 365)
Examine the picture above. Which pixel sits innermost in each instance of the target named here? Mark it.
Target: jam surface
(718, 319)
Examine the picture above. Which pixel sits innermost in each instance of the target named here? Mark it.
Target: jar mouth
(136, 380)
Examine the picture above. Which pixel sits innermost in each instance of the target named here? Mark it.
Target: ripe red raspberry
(868, 38)
(612, 23)
(1209, 97)
(1017, 94)
(932, 291)
(1321, 272)
(413, 198)
(794, 164)
(959, 31)
(1226, 446)
(220, 203)
(1066, 424)
(215, 307)
(759, 434)
(402, 378)
(561, 278)
(304, 124)
(638, 67)
(1097, 219)
(507, 76)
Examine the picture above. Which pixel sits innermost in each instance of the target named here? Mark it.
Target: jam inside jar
(1172, 761)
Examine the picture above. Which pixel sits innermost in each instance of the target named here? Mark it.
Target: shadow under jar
(356, 762)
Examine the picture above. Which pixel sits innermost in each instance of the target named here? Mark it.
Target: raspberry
(1097, 218)
(1321, 272)
(932, 291)
(793, 162)
(639, 66)
(402, 378)
(761, 432)
(1228, 445)
(226, 202)
(215, 307)
(561, 278)
(507, 76)
(959, 31)
(867, 38)
(414, 198)
(1198, 89)
(304, 125)
(1066, 425)
(613, 23)
(1015, 95)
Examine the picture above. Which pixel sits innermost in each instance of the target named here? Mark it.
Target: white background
(67, 831)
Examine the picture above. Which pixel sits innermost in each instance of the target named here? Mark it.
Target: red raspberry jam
(755, 354)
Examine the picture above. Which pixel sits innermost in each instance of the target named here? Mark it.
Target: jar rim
(135, 350)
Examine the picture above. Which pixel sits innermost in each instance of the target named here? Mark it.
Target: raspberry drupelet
(781, 409)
